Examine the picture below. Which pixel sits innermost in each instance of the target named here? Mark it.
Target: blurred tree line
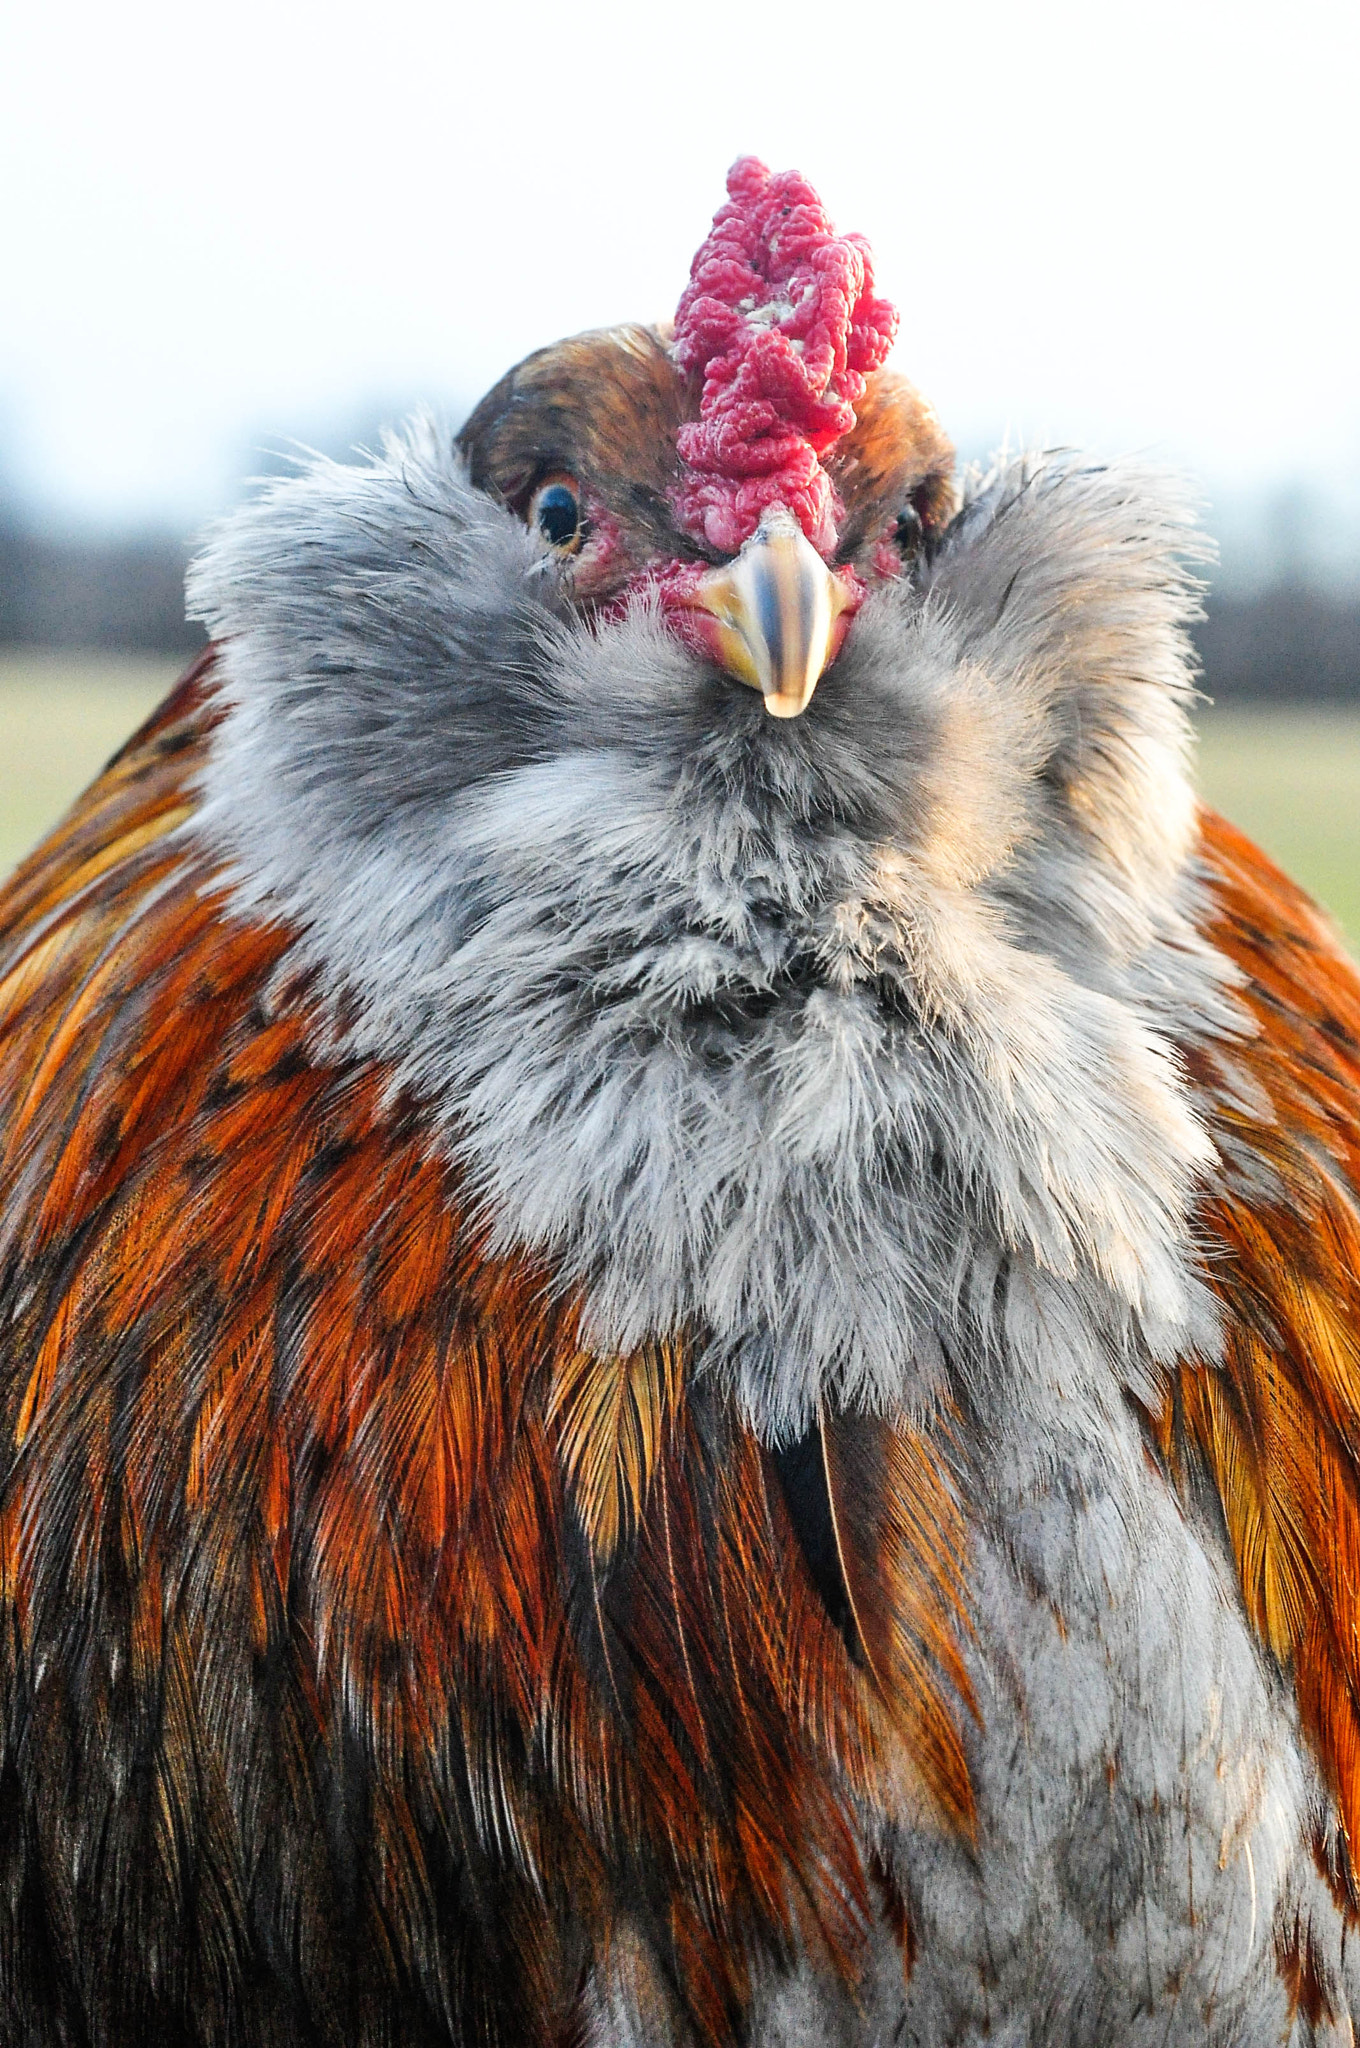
(125, 594)
(1287, 639)
(1288, 642)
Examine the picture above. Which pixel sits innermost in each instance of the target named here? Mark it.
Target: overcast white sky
(1122, 225)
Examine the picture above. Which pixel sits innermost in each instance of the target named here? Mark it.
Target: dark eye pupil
(559, 515)
(908, 534)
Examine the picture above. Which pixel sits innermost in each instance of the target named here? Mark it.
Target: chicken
(679, 1259)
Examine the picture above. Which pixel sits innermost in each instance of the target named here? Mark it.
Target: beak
(778, 612)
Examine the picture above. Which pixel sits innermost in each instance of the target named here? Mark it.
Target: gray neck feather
(841, 1042)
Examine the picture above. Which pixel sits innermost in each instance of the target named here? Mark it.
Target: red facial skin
(886, 556)
(604, 580)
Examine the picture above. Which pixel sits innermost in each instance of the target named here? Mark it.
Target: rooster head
(750, 469)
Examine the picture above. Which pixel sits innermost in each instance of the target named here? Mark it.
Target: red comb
(780, 321)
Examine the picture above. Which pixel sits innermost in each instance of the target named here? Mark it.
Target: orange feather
(1278, 1427)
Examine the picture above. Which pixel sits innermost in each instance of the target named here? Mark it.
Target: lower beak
(778, 612)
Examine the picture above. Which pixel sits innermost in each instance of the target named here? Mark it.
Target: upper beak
(778, 610)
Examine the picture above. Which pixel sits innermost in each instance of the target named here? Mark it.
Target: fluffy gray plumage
(795, 1033)
(842, 1042)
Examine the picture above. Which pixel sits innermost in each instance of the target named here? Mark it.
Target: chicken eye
(555, 512)
(908, 532)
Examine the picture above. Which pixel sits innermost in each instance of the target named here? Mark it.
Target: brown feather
(1277, 1428)
(605, 406)
(896, 456)
(612, 1414)
(901, 1542)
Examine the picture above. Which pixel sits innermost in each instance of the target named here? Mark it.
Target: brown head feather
(605, 406)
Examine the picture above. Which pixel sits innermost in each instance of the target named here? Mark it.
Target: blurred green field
(61, 716)
(1291, 779)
